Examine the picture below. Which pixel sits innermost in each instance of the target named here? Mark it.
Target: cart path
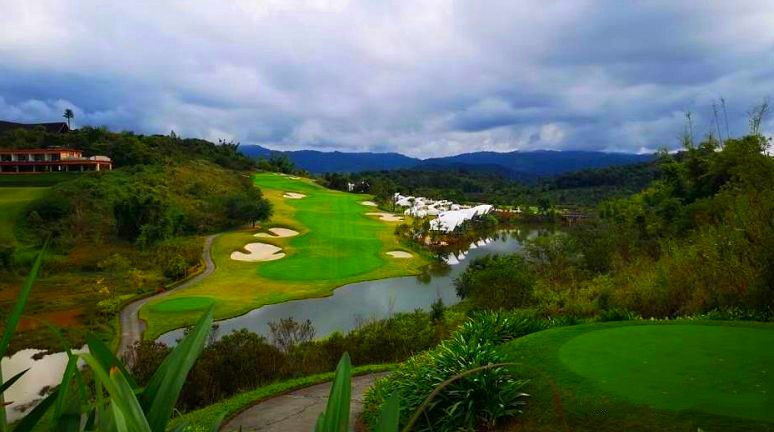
(132, 326)
(299, 409)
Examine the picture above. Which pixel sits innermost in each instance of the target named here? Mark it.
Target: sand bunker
(258, 252)
(399, 254)
(387, 217)
(278, 233)
(369, 203)
(293, 195)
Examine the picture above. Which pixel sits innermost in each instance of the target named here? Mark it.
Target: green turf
(636, 376)
(13, 200)
(183, 304)
(338, 244)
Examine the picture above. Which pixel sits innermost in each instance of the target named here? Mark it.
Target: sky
(424, 78)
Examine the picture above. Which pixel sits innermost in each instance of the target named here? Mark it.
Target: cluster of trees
(698, 239)
(146, 204)
(583, 188)
(128, 148)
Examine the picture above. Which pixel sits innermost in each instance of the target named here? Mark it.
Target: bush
(476, 400)
(497, 282)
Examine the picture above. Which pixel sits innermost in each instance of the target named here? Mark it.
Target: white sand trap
(293, 195)
(295, 178)
(399, 254)
(387, 217)
(258, 252)
(369, 204)
(278, 233)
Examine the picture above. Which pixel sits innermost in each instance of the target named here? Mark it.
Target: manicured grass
(337, 245)
(36, 180)
(202, 420)
(636, 376)
(183, 304)
(13, 200)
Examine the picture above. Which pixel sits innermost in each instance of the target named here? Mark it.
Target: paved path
(131, 325)
(297, 411)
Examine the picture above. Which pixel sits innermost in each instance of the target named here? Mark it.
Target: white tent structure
(449, 215)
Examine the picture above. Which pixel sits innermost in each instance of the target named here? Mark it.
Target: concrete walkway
(297, 411)
(131, 325)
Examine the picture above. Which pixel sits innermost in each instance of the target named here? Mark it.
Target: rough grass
(676, 376)
(337, 245)
(13, 200)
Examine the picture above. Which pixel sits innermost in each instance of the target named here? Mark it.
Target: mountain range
(515, 164)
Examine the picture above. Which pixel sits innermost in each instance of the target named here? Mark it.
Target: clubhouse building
(47, 160)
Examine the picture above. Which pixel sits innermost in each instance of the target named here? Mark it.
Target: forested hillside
(480, 184)
(116, 234)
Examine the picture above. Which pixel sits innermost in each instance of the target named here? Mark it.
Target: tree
(68, 114)
(497, 282)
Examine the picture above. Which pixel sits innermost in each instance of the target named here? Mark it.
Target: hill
(516, 165)
(318, 162)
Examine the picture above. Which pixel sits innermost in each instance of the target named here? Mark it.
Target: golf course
(639, 376)
(317, 240)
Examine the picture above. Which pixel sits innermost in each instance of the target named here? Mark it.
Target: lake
(356, 303)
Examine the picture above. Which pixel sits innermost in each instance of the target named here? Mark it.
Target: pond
(359, 302)
(45, 372)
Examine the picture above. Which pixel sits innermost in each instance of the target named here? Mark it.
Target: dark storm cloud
(426, 78)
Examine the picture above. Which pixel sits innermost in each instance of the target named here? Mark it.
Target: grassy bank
(13, 200)
(635, 376)
(338, 244)
(202, 420)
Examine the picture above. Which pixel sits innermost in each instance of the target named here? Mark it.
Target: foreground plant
(115, 402)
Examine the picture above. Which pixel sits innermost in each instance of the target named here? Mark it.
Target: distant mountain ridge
(517, 164)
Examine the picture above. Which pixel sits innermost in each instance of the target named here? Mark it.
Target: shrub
(475, 400)
(497, 282)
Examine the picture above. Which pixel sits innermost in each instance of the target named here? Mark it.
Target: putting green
(721, 370)
(183, 304)
(646, 376)
(337, 244)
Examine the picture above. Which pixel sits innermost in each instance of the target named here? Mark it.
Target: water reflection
(45, 372)
(354, 303)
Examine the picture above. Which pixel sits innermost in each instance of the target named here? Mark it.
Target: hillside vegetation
(117, 234)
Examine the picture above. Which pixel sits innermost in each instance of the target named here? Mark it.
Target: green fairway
(337, 244)
(13, 200)
(641, 377)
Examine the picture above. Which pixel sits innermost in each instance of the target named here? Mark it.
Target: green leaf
(30, 421)
(6, 385)
(390, 415)
(122, 396)
(13, 321)
(21, 301)
(159, 397)
(336, 416)
(105, 356)
(67, 416)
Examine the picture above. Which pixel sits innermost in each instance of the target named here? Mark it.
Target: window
(5, 158)
(40, 157)
(22, 158)
(55, 157)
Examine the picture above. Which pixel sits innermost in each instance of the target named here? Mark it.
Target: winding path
(131, 324)
(299, 409)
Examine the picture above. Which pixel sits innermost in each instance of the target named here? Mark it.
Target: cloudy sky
(420, 77)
